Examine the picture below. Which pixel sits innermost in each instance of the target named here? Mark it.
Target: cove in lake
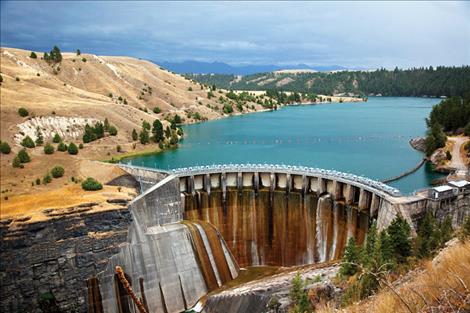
(364, 138)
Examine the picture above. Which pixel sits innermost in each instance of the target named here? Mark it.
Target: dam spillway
(193, 228)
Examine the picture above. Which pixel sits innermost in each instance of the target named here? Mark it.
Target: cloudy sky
(352, 34)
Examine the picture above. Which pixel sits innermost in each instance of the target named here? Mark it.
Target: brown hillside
(79, 88)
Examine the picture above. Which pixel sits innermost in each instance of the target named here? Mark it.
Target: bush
(33, 55)
(23, 112)
(38, 181)
(48, 149)
(46, 179)
(135, 136)
(62, 147)
(56, 138)
(91, 184)
(23, 156)
(84, 60)
(112, 130)
(17, 79)
(156, 110)
(57, 171)
(5, 147)
(72, 149)
(118, 148)
(80, 146)
(17, 162)
(27, 142)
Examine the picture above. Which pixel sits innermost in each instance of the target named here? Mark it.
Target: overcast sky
(362, 34)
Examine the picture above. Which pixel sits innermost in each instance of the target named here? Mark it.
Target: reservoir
(364, 138)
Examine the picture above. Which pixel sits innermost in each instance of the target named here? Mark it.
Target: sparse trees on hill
(39, 137)
(23, 112)
(27, 142)
(48, 148)
(91, 184)
(23, 156)
(56, 138)
(5, 147)
(135, 136)
(157, 131)
(72, 149)
(54, 56)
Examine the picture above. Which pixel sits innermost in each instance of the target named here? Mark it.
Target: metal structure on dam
(193, 228)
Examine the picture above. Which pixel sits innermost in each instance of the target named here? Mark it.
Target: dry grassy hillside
(122, 89)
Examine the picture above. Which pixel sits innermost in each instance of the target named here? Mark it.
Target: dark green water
(366, 138)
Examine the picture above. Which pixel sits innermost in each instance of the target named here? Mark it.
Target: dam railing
(291, 169)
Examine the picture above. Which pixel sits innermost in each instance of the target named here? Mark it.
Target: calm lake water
(366, 138)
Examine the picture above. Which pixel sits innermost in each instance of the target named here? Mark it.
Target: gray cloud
(368, 34)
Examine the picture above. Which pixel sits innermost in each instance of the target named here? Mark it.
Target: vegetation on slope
(451, 116)
(436, 82)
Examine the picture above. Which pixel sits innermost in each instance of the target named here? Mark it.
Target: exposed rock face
(271, 294)
(57, 256)
(418, 143)
(66, 127)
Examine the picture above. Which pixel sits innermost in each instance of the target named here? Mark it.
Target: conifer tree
(350, 259)
(135, 136)
(56, 138)
(39, 137)
(446, 230)
(144, 136)
(157, 131)
(400, 238)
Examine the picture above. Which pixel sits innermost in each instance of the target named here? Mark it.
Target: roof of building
(442, 188)
(459, 183)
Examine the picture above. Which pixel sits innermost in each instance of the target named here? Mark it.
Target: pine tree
(400, 237)
(350, 259)
(39, 137)
(298, 295)
(23, 156)
(386, 250)
(17, 162)
(428, 236)
(27, 142)
(106, 124)
(157, 131)
(135, 136)
(144, 136)
(446, 230)
(33, 55)
(56, 138)
(371, 242)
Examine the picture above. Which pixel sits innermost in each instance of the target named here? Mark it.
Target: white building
(442, 192)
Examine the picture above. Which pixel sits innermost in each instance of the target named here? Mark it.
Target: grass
(442, 285)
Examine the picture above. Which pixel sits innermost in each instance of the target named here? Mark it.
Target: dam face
(193, 228)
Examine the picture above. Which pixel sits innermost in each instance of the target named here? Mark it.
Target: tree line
(429, 81)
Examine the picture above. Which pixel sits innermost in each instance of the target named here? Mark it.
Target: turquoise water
(366, 138)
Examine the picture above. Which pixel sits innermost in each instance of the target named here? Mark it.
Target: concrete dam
(193, 228)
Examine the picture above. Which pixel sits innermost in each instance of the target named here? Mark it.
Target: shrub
(39, 137)
(448, 155)
(23, 156)
(190, 88)
(84, 60)
(72, 149)
(56, 138)
(228, 109)
(79, 52)
(146, 125)
(57, 171)
(80, 146)
(17, 162)
(112, 130)
(62, 146)
(91, 184)
(38, 181)
(118, 148)
(17, 79)
(23, 112)
(135, 136)
(33, 55)
(46, 179)
(27, 142)
(5, 147)
(48, 148)
(144, 136)
(156, 110)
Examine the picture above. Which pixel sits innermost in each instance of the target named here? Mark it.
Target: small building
(461, 185)
(442, 192)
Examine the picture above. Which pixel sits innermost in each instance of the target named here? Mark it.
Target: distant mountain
(196, 67)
